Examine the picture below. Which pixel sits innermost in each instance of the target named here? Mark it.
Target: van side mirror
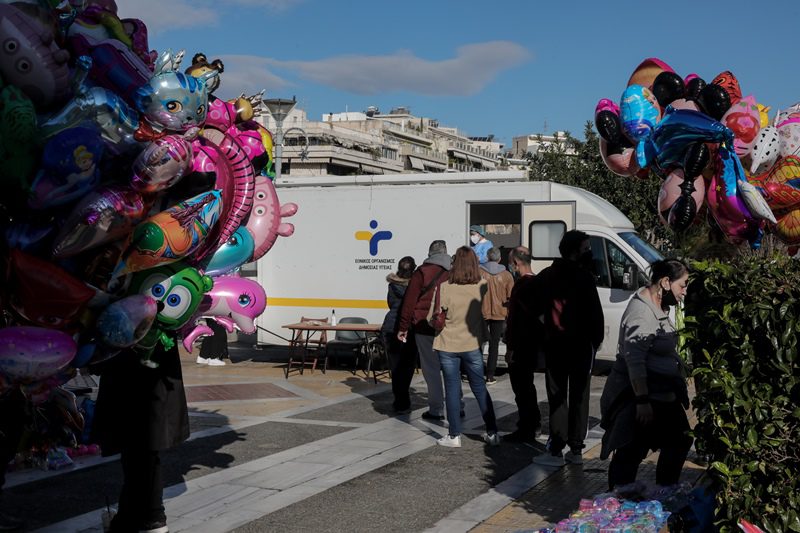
(630, 277)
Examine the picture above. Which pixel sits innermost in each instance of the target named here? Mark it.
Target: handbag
(437, 316)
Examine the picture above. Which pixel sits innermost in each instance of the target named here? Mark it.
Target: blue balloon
(638, 113)
(668, 142)
(233, 254)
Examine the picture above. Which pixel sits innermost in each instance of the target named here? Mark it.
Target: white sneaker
(216, 362)
(450, 442)
(548, 459)
(492, 439)
(573, 458)
(202, 360)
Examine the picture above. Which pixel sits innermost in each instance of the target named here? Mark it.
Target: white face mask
(475, 238)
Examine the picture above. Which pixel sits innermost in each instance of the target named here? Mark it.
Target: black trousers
(13, 416)
(668, 433)
(568, 379)
(403, 362)
(520, 373)
(215, 346)
(141, 499)
(494, 334)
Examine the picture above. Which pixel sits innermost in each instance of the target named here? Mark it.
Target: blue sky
(505, 68)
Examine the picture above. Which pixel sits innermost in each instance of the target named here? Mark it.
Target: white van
(350, 231)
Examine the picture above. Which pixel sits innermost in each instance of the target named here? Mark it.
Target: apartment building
(371, 142)
(532, 143)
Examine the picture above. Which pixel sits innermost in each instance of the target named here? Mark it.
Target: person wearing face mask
(644, 401)
(570, 311)
(480, 244)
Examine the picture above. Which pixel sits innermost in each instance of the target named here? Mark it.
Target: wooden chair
(307, 344)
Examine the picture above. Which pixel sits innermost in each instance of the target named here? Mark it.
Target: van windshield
(642, 247)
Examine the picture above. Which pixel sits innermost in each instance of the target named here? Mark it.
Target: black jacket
(141, 407)
(394, 299)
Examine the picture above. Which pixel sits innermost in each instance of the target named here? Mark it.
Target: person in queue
(495, 307)
(458, 345)
(402, 355)
(644, 401)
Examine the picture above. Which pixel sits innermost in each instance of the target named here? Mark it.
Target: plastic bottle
(333, 317)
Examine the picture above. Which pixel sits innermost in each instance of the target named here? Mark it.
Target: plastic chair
(351, 341)
(307, 344)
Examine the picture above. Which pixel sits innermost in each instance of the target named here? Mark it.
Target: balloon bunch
(711, 146)
(132, 196)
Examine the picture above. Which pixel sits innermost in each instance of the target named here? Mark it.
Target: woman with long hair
(402, 355)
(644, 401)
(458, 344)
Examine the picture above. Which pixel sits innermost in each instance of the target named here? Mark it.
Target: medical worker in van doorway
(480, 244)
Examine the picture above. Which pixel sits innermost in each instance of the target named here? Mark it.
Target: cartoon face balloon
(173, 101)
(233, 254)
(639, 112)
(178, 286)
(744, 119)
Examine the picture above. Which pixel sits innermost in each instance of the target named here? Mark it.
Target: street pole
(279, 108)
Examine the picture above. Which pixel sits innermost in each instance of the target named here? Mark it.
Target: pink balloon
(622, 164)
(730, 212)
(683, 103)
(30, 354)
(265, 222)
(162, 164)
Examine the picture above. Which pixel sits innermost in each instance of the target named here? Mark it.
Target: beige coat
(464, 325)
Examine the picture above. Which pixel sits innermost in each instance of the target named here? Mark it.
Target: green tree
(571, 161)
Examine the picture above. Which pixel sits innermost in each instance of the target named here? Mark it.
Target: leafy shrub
(741, 327)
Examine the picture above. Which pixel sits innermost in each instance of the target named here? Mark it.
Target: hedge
(741, 326)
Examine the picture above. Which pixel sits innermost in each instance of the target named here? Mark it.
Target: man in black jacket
(572, 316)
(523, 337)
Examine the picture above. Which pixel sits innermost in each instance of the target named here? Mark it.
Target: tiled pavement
(253, 392)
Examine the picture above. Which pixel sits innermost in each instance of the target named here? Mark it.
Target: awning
(416, 163)
(437, 166)
(489, 165)
(343, 162)
(475, 159)
(460, 155)
(369, 169)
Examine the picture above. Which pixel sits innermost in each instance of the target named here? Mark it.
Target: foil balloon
(105, 215)
(755, 202)
(677, 130)
(619, 159)
(32, 353)
(744, 120)
(639, 112)
(683, 103)
(765, 150)
(789, 138)
(44, 294)
(647, 71)
(726, 206)
(231, 255)
(30, 57)
(668, 87)
(27, 236)
(233, 302)
(18, 131)
(69, 168)
(257, 143)
(170, 235)
(763, 113)
(125, 322)
(714, 100)
(161, 164)
(728, 81)
(179, 288)
(266, 218)
(777, 185)
(694, 86)
(607, 121)
(671, 190)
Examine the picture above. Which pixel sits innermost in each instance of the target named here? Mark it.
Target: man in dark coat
(523, 338)
(574, 327)
(140, 412)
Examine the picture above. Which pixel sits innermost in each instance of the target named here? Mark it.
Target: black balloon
(714, 100)
(694, 87)
(683, 211)
(667, 88)
(608, 126)
(695, 160)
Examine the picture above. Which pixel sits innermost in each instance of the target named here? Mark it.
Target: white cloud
(249, 75)
(473, 67)
(159, 17)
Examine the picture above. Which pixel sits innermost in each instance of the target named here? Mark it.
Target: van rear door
(543, 225)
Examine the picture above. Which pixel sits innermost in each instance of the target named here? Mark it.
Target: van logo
(373, 238)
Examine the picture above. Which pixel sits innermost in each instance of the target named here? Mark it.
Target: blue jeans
(473, 365)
